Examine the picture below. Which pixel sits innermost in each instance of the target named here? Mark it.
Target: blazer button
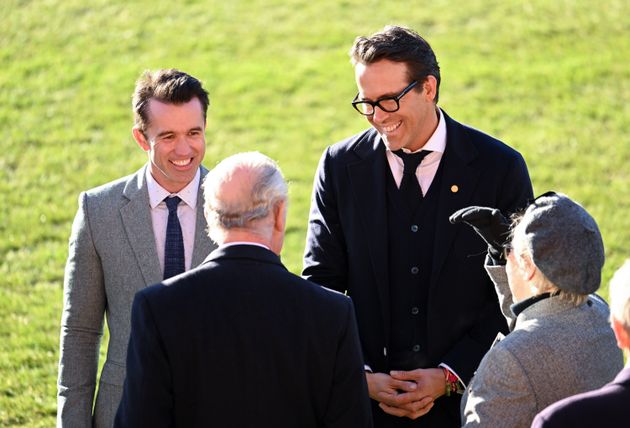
(415, 310)
(414, 270)
(416, 348)
(414, 227)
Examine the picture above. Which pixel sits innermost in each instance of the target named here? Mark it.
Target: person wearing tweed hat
(546, 267)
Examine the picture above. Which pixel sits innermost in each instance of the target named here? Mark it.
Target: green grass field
(550, 78)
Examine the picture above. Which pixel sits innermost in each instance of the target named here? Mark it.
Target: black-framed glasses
(387, 104)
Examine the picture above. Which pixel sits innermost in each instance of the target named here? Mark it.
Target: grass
(549, 78)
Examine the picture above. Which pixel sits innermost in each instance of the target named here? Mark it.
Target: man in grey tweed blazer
(560, 343)
(117, 243)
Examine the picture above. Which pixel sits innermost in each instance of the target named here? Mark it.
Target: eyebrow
(390, 95)
(167, 132)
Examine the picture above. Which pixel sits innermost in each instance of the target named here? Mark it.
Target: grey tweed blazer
(111, 256)
(555, 350)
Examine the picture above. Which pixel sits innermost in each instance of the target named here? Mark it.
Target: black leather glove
(490, 224)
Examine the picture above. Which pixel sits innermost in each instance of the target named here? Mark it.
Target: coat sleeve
(516, 187)
(499, 278)
(500, 394)
(81, 325)
(349, 403)
(325, 257)
(147, 398)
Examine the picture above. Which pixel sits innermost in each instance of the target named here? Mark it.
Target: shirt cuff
(454, 372)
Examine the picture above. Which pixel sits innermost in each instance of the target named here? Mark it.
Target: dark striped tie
(174, 245)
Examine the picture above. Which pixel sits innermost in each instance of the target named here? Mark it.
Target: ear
(138, 135)
(280, 216)
(623, 337)
(528, 268)
(430, 87)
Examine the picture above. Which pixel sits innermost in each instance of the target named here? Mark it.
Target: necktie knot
(411, 160)
(409, 186)
(172, 203)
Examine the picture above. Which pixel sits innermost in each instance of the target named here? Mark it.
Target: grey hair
(261, 187)
(620, 295)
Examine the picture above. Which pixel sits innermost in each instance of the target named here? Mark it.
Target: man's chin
(391, 145)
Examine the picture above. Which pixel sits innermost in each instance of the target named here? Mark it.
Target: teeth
(391, 128)
(182, 162)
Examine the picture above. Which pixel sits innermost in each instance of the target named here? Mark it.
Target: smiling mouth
(391, 128)
(183, 162)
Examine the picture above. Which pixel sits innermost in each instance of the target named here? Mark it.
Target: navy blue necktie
(409, 186)
(174, 245)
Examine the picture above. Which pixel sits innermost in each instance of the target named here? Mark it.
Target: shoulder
(313, 298)
(353, 146)
(582, 409)
(483, 142)
(316, 293)
(598, 305)
(115, 188)
(503, 356)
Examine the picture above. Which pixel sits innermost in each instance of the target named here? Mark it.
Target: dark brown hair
(398, 44)
(168, 86)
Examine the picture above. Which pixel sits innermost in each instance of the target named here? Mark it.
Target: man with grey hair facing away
(240, 341)
(560, 343)
(607, 406)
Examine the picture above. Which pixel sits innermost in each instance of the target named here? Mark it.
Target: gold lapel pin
(454, 188)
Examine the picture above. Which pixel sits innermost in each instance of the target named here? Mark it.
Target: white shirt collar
(230, 244)
(188, 194)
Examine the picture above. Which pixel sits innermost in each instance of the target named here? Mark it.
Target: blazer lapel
(203, 245)
(367, 181)
(459, 180)
(136, 218)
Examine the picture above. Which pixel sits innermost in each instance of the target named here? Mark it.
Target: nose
(379, 115)
(182, 146)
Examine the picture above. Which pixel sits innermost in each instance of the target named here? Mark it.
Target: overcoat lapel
(459, 180)
(367, 179)
(136, 218)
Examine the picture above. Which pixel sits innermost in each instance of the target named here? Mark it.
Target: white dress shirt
(233, 243)
(186, 212)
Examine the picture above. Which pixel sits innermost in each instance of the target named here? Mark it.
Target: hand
(384, 389)
(489, 223)
(430, 384)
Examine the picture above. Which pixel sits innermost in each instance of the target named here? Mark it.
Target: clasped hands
(408, 394)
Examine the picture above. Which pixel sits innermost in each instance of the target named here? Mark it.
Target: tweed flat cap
(565, 243)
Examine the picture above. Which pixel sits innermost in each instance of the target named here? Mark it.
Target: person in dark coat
(379, 231)
(240, 341)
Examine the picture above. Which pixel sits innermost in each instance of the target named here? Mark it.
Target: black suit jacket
(608, 406)
(347, 241)
(241, 342)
